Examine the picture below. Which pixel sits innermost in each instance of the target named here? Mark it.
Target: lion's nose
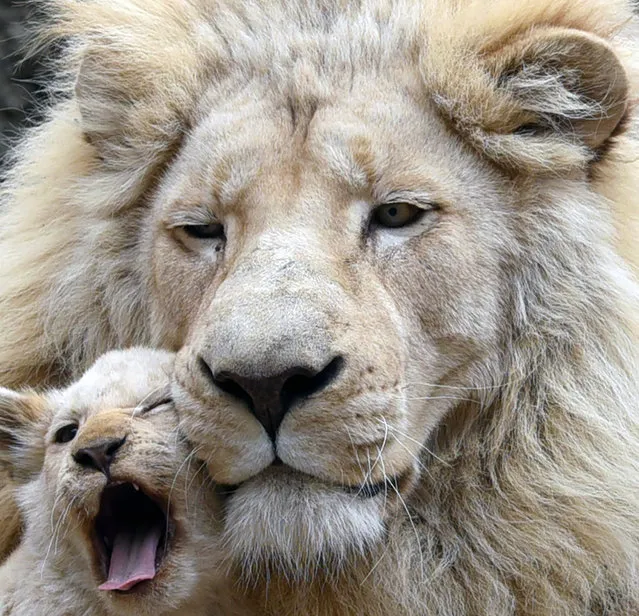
(99, 456)
(270, 398)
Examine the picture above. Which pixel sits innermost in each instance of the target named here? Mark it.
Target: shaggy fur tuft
(331, 526)
(531, 504)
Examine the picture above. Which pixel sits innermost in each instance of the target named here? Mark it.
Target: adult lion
(380, 235)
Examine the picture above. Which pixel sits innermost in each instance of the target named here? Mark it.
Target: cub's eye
(396, 214)
(205, 232)
(66, 433)
(156, 405)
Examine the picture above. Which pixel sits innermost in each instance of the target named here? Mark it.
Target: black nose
(270, 398)
(99, 456)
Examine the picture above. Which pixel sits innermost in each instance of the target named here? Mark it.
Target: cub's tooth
(136, 487)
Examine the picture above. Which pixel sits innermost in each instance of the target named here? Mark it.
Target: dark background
(18, 92)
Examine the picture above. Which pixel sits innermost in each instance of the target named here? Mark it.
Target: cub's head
(110, 492)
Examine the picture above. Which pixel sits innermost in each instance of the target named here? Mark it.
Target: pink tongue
(133, 558)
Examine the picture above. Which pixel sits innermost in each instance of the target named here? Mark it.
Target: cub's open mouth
(132, 536)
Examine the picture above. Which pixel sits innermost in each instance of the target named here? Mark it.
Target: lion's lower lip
(364, 490)
(368, 490)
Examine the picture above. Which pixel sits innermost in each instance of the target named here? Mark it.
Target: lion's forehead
(240, 157)
(290, 45)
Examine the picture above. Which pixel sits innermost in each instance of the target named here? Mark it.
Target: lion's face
(336, 277)
(342, 218)
(116, 502)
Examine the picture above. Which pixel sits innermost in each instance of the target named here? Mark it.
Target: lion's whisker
(175, 478)
(455, 398)
(421, 445)
(357, 460)
(412, 523)
(55, 505)
(459, 387)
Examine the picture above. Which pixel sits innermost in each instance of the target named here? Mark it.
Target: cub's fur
(58, 566)
(392, 242)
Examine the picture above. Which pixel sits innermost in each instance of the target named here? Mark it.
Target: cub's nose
(269, 398)
(100, 455)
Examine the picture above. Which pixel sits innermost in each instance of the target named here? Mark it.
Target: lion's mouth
(132, 534)
(365, 490)
(370, 490)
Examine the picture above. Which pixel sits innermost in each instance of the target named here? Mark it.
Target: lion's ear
(24, 419)
(547, 99)
(132, 116)
(103, 102)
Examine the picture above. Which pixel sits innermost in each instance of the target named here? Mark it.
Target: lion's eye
(205, 232)
(396, 214)
(66, 433)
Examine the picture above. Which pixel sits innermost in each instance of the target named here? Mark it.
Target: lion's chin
(284, 520)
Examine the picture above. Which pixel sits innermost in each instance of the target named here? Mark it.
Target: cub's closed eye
(66, 433)
(212, 231)
(153, 406)
(393, 215)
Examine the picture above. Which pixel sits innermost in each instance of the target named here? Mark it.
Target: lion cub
(118, 518)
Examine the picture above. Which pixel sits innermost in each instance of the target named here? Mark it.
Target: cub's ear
(547, 99)
(24, 419)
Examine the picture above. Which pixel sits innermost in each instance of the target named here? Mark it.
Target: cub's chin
(283, 520)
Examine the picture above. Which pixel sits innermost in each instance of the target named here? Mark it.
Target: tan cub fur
(57, 568)
(392, 243)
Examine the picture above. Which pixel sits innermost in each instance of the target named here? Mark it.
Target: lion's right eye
(393, 215)
(66, 433)
(205, 232)
(161, 404)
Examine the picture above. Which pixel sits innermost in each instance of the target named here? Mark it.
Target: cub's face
(111, 492)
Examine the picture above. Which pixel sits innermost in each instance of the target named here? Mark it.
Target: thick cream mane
(66, 302)
(533, 498)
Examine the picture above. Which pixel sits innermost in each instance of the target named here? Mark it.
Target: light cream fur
(489, 369)
(56, 570)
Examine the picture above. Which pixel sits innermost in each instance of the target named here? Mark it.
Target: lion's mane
(531, 505)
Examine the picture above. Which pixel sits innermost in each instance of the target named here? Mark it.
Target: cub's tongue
(133, 557)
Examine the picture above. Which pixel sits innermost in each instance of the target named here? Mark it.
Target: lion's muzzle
(269, 398)
(281, 366)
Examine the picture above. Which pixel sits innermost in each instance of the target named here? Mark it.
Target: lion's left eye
(212, 231)
(66, 433)
(396, 214)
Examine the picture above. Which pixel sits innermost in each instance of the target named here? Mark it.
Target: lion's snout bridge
(269, 348)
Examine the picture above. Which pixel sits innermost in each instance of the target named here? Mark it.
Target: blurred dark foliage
(19, 91)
